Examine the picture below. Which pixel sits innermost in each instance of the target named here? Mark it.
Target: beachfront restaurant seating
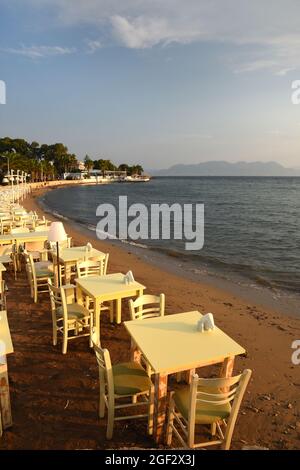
(127, 380)
(37, 275)
(67, 317)
(213, 403)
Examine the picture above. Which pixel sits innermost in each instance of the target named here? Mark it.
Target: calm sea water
(252, 225)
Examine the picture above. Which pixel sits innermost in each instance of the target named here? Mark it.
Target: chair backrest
(92, 267)
(218, 392)
(40, 228)
(20, 230)
(147, 306)
(103, 260)
(64, 244)
(35, 246)
(104, 366)
(57, 300)
(30, 268)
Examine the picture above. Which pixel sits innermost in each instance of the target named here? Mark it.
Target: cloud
(38, 52)
(93, 46)
(262, 35)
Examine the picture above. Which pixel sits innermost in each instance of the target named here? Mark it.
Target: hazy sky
(154, 81)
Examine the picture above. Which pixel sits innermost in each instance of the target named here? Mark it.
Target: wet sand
(54, 397)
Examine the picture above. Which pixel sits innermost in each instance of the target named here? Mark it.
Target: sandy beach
(55, 397)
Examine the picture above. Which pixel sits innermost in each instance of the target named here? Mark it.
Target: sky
(155, 82)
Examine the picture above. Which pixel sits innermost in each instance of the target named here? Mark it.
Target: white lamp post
(57, 234)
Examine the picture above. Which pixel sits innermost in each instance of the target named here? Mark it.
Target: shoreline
(264, 297)
(270, 412)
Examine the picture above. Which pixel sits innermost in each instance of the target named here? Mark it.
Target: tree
(88, 163)
(136, 170)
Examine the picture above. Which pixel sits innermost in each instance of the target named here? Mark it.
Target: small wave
(129, 242)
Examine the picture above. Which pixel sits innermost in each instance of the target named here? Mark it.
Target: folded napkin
(128, 278)
(206, 323)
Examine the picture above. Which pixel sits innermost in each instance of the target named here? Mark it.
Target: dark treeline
(45, 162)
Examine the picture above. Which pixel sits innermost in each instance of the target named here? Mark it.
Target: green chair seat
(75, 312)
(206, 413)
(130, 378)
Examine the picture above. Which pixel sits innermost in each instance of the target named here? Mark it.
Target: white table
(110, 287)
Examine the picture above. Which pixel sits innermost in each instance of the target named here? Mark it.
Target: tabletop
(2, 267)
(172, 343)
(78, 253)
(108, 284)
(5, 338)
(24, 236)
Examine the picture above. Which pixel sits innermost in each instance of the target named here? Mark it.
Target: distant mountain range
(223, 168)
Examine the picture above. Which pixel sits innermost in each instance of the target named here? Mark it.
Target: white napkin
(128, 278)
(206, 323)
(89, 247)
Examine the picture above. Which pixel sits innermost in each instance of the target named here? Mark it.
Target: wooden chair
(103, 261)
(147, 306)
(91, 267)
(37, 274)
(37, 250)
(211, 402)
(123, 380)
(67, 317)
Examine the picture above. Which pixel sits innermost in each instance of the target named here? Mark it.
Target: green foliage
(45, 162)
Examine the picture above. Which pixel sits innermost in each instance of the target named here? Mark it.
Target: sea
(251, 227)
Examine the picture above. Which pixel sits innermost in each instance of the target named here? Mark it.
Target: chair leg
(111, 311)
(35, 296)
(110, 421)
(65, 341)
(170, 422)
(134, 399)
(151, 411)
(101, 401)
(213, 429)
(54, 335)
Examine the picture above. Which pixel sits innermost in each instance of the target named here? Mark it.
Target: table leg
(67, 273)
(135, 353)
(118, 310)
(227, 367)
(4, 395)
(160, 403)
(79, 297)
(97, 307)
